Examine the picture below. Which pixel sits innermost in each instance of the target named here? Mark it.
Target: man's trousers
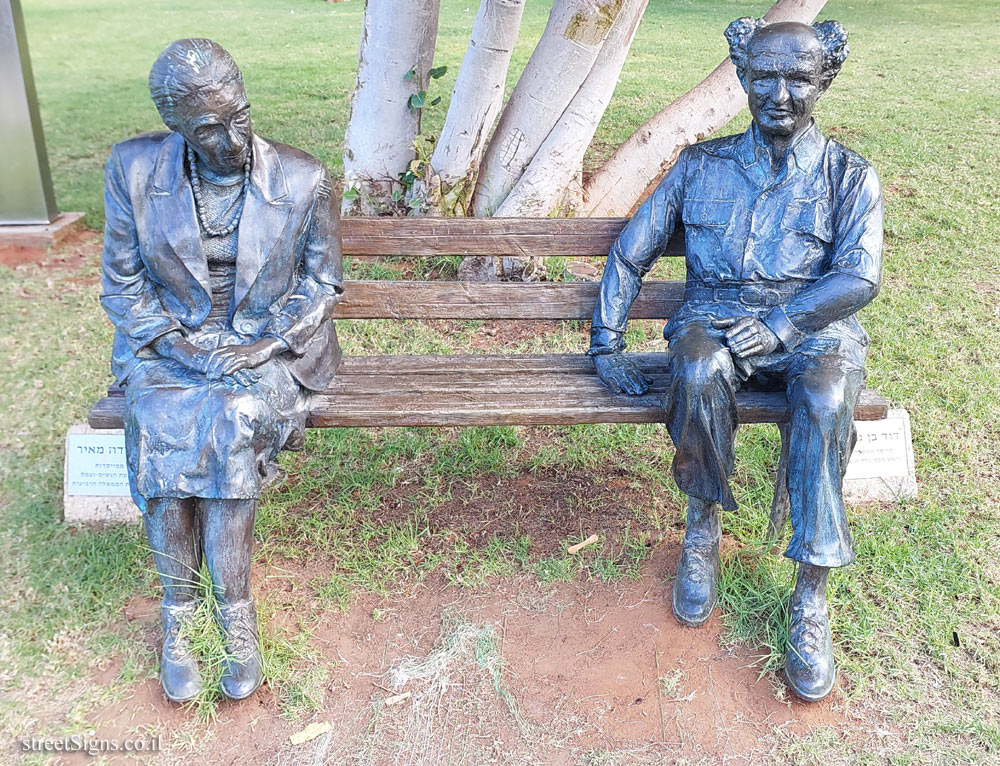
(822, 378)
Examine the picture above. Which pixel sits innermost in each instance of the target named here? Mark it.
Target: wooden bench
(481, 390)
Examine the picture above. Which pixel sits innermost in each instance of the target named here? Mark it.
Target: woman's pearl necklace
(213, 231)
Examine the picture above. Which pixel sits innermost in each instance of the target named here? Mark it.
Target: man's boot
(696, 589)
(243, 669)
(809, 666)
(179, 673)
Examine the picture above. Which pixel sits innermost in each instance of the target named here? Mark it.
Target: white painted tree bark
(642, 160)
(565, 55)
(397, 37)
(475, 103)
(544, 182)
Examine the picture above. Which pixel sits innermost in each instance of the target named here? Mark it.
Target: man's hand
(229, 360)
(747, 336)
(620, 374)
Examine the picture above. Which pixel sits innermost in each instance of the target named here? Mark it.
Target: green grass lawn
(917, 618)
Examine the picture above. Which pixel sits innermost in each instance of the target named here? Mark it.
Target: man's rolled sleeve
(777, 321)
(855, 270)
(858, 227)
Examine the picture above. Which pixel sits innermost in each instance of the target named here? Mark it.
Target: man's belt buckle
(754, 296)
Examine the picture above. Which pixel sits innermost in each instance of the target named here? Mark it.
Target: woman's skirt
(186, 436)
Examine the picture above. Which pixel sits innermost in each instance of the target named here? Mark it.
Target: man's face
(785, 64)
(216, 123)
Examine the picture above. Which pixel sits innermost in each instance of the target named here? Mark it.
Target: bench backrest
(413, 237)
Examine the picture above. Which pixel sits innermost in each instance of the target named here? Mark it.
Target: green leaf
(438, 71)
(417, 100)
(436, 101)
(350, 194)
(410, 75)
(397, 195)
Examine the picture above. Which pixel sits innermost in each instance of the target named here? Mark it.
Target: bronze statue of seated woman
(221, 268)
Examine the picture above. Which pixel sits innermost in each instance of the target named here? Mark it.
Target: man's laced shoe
(243, 670)
(696, 589)
(179, 673)
(809, 666)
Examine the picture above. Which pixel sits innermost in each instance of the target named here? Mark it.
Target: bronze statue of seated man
(783, 244)
(221, 268)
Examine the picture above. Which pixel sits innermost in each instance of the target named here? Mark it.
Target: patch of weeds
(555, 269)
(556, 569)
(334, 591)
(442, 267)
(672, 683)
(369, 268)
(458, 643)
(608, 565)
(295, 669)
(753, 591)
(475, 451)
(500, 557)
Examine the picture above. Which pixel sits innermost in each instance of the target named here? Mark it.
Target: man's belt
(753, 295)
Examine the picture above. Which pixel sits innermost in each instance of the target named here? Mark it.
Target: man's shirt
(818, 215)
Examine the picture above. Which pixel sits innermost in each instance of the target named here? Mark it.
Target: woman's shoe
(179, 672)
(243, 669)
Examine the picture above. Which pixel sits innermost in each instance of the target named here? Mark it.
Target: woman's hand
(230, 360)
(175, 346)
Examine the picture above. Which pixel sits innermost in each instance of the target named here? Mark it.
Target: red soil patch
(581, 661)
(71, 253)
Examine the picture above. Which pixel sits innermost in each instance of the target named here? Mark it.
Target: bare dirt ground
(515, 672)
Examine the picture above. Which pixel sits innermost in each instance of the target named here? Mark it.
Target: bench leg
(780, 505)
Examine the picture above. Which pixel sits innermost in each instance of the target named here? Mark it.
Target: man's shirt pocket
(810, 217)
(707, 212)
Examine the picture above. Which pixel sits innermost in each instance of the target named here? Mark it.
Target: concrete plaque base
(881, 468)
(40, 236)
(95, 488)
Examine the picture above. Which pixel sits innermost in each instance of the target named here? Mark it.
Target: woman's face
(216, 123)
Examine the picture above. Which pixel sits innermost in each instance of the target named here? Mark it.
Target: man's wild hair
(186, 67)
(831, 35)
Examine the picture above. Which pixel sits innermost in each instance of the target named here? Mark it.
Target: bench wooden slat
(468, 390)
(375, 299)
(409, 237)
(486, 364)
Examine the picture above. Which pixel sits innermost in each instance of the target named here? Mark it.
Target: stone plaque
(95, 465)
(881, 468)
(95, 484)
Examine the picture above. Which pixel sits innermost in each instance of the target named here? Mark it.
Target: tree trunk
(564, 56)
(397, 39)
(543, 184)
(641, 162)
(473, 108)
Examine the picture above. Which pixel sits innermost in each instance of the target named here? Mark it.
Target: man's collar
(806, 149)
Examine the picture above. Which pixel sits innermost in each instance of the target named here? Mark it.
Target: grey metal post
(25, 185)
